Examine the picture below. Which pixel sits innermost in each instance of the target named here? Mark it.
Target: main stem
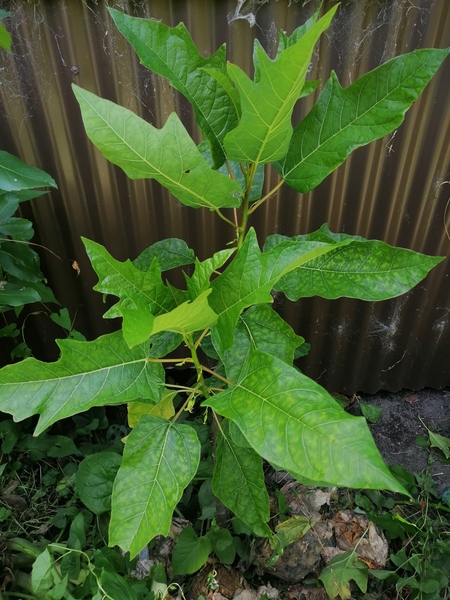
(189, 340)
(249, 174)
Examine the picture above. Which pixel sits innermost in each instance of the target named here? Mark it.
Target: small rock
(301, 592)
(269, 591)
(300, 558)
(246, 595)
(350, 527)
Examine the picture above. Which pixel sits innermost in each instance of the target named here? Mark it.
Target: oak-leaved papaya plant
(259, 404)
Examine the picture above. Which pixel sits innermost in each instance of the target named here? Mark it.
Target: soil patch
(405, 416)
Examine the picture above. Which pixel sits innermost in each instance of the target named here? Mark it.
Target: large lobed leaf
(142, 294)
(159, 461)
(344, 119)
(363, 269)
(146, 305)
(170, 52)
(265, 128)
(295, 424)
(88, 374)
(168, 154)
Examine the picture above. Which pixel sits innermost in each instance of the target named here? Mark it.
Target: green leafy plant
(256, 402)
(418, 534)
(51, 545)
(21, 279)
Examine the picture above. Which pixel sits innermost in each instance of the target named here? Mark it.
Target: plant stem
(198, 367)
(249, 174)
(169, 360)
(184, 388)
(218, 424)
(218, 376)
(224, 218)
(30, 244)
(230, 170)
(266, 197)
(204, 332)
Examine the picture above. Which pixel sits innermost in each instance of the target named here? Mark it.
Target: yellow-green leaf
(164, 408)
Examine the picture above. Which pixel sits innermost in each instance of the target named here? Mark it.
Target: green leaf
(45, 293)
(190, 552)
(222, 545)
(265, 128)
(19, 229)
(289, 40)
(15, 175)
(9, 203)
(171, 253)
(159, 460)
(238, 482)
(142, 293)
(295, 424)
(62, 446)
(200, 279)
(94, 480)
(236, 168)
(14, 294)
(371, 412)
(170, 52)
(188, 317)
(168, 155)
(237, 436)
(115, 586)
(5, 39)
(364, 269)
(41, 573)
(344, 119)
(20, 261)
(249, 279)
(260, 328)
(88, 374)
(163, 409)
(342, 569)
(309, 87)
(440, 442)
(294, 528)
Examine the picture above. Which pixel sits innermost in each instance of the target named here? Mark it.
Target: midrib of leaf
(302, 424)
(203, 200)
(81, 374)
(372, 272)
(352, 123)
(271, 128)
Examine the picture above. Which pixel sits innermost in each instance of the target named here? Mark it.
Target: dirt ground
(405, 416)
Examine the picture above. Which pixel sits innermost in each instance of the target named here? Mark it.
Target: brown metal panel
(395, 189)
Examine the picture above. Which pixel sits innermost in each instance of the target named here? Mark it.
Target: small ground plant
(257, 404)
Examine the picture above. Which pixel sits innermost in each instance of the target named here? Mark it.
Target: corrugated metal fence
(396, 189)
